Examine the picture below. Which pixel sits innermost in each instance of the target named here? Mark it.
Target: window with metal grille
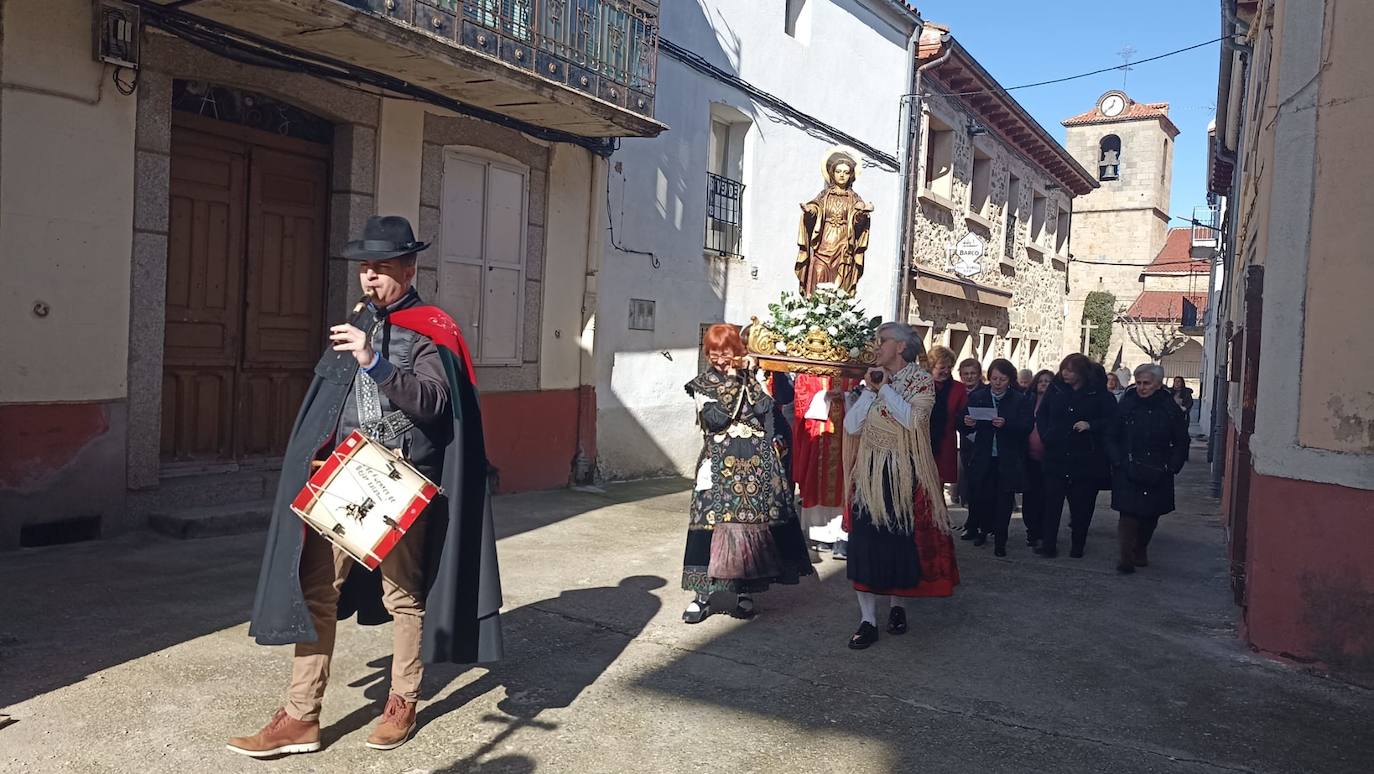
(724, 215)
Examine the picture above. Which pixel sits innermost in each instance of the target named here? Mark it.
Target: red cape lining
(435, 323)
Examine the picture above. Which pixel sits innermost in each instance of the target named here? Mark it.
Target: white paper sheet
(819, 408)
(981, 414)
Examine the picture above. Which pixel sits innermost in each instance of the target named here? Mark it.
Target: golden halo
(847, 151)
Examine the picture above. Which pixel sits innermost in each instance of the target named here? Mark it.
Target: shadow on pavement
(1035, 665)
(68, 612)
(520, 513)
(552, 657)
(506, 764)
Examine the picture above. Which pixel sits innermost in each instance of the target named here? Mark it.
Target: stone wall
(1143, 181)
(1036, 278)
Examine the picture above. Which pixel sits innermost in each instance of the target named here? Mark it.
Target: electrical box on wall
(641, 314)
(118, 28)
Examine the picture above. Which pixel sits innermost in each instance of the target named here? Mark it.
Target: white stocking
(868, 607)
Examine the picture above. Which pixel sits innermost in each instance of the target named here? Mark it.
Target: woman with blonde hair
(950, 399)
(899, 531)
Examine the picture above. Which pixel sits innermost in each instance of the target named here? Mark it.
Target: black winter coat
(1070, 454)
(1148, 445)
(1012, 439)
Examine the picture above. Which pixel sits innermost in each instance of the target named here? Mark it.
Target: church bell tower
(1122, 225)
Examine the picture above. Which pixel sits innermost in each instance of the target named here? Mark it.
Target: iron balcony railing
(724, 216)
(1206, 223)
(604, 48)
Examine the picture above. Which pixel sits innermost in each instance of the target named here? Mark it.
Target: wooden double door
(246, 264)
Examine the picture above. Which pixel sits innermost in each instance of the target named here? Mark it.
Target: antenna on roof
(1125, 53)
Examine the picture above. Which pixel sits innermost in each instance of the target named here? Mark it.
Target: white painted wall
(565, 266)
(850, 74)
(400, 148)
(66, 209)
(1288, 221)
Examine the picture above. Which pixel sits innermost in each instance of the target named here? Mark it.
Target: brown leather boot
(282, 735)
(1127, 531)
(396, 725)
(1141, 557)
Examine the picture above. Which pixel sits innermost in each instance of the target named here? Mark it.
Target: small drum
(363, 498)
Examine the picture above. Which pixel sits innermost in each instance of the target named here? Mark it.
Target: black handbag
(1144, 475)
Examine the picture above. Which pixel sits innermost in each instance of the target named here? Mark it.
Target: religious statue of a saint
(834, 228)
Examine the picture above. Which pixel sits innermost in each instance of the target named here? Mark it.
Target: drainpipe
(1231, 113)
(911, 127)
(1229, 21)
(1230, 117)
(584, 461)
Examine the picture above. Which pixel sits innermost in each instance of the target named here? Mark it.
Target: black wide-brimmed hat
(384, 236)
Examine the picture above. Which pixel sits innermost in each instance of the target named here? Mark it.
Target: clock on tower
(1112, 104)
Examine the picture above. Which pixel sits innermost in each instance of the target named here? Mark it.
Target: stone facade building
(174, 208)
(1121, 227)
(990, 241)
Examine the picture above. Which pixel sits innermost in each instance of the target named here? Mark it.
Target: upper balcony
(1206, 231)
(584, 67)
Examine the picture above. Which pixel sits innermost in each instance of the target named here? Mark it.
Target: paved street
(131, 656)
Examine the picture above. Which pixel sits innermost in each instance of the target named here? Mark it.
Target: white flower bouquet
(826, 333)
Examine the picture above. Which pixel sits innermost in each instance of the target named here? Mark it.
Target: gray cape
(463, 585)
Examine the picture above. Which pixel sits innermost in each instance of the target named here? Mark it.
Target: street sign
(968, 255)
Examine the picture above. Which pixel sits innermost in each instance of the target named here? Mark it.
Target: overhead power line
(1068, 78)
(700, 64)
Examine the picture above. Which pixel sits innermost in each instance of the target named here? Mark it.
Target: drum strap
(375, 425)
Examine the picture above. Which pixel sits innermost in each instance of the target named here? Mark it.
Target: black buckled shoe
(744, 608)
(896, 620)
(697, 612)
(866, 635)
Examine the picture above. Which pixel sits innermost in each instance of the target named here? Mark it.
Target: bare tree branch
(1158, 338)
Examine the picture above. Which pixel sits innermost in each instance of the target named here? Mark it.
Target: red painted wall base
(1310, 573)
(45, 438)
(531, 437)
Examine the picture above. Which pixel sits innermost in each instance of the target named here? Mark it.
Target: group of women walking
(910, 431)
(1059, 440)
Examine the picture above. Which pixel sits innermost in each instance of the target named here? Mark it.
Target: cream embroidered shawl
(905, 453)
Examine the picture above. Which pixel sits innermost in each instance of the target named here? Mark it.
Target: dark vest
(423, 446)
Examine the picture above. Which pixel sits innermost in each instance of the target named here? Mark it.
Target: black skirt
(881, 560)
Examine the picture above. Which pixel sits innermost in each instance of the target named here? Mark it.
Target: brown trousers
(323, 570)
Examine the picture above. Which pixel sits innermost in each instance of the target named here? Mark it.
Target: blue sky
(1020, 42)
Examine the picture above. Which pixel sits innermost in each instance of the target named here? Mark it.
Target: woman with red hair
(742, 534)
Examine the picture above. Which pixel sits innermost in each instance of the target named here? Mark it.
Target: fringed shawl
(894, 462)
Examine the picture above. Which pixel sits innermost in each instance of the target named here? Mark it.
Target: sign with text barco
(968, 256)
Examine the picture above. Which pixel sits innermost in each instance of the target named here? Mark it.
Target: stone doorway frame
(353, 181)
